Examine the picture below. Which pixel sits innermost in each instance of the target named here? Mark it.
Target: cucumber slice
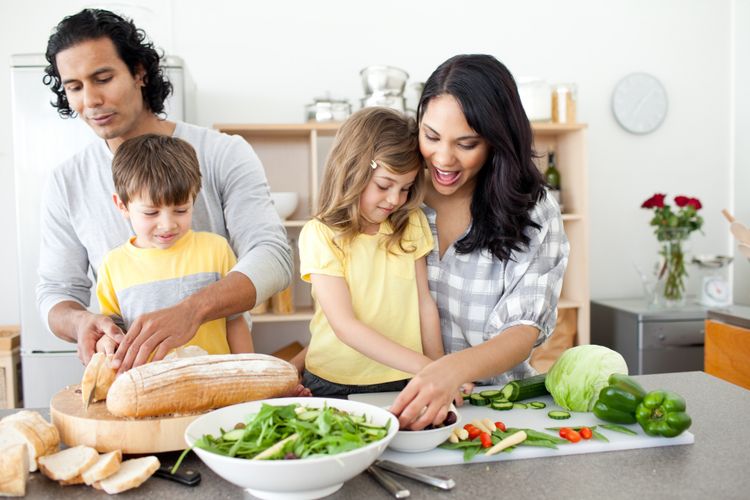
(233, 435)
(501, 405)
(490, 394)
(558, 415)
(477, 400)
(537, 405)
(519, 406)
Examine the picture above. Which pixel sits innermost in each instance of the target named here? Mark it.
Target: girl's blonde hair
(372, 134)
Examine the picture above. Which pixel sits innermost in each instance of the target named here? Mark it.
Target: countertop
(734, 315)
(715, 467)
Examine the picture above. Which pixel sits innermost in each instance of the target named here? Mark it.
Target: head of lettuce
(580, 373)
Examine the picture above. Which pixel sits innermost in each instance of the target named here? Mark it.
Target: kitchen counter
(733, 315)
(714, 467)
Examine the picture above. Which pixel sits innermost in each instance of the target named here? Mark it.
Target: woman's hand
(426, 398)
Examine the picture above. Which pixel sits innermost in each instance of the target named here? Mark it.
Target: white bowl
(285, 203)
(305, 478)
(419, 441)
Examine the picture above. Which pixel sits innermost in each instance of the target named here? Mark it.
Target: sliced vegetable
(662, 413)
(490, 394)
(537, 405)
(558, 415)
(519, 406)
(531, 387)
(478, 400)
(501, 405)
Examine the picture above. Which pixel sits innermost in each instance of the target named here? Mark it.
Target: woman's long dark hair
(508, 185)
(132, 46)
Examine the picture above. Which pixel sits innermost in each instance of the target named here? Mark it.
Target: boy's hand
(157, 332)
(106, 345)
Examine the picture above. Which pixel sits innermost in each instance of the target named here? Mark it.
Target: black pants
(321, 387)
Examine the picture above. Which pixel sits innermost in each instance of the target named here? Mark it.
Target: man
(103, 69)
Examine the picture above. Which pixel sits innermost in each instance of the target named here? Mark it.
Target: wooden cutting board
(530, 419)
(98, 428)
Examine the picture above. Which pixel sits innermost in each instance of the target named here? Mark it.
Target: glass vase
(672, 271)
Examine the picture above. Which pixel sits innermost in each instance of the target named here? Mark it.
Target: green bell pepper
(662, 413)
(618, 401)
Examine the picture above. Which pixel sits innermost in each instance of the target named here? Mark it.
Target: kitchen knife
(391, 485)
(442, 482)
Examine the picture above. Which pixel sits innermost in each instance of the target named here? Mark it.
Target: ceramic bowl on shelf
(306, 478)
(426, 440)
(285, 203)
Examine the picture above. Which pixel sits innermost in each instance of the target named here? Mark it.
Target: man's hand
(157, 332)
(90, 330)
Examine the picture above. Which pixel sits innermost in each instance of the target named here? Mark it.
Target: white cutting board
(529, 419)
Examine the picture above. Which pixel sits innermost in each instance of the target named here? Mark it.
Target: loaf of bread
(191, 385)
(14, 470)
(32, 430)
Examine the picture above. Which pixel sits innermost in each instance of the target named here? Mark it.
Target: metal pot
(326, 110)
(383, 80)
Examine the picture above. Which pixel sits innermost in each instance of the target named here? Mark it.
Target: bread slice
(29, 428)
(14, 470)
(97, 377)
(108, 464)
(71, 482)
(132, 474)
(69, 463)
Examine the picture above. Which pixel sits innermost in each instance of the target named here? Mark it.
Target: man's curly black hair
(132, 45)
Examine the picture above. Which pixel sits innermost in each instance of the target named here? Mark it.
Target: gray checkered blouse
(479, 296)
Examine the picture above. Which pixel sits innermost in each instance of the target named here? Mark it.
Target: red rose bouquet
(672, 228)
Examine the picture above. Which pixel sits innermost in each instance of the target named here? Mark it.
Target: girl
(375, 323)
(501, 251)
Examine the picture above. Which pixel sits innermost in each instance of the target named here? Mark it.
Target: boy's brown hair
(384, 136)
(162, 167)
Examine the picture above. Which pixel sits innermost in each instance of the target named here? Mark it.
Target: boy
(157, 179)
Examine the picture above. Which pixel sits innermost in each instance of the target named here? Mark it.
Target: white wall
(741, 109)
(263, 61)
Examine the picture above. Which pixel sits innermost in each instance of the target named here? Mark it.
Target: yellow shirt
(383, 290)
(133, 281)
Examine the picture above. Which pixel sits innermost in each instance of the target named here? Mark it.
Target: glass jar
(564, 97)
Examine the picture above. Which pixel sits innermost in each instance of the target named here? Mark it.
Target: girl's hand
(426, 398)
(466, 388)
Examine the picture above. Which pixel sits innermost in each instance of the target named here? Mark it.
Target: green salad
(292, 432)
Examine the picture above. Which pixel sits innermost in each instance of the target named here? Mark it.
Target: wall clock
(639, 103)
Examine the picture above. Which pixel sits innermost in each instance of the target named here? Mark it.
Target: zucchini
(531, 387)
(558, 415)
(477, 400)
(499, 404)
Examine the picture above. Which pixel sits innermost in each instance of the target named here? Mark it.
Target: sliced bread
(31, 429)
(132, 474)
(108, 464)
(68, 463)
(14, 470)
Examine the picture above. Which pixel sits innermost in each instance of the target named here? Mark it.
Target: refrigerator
(41, 141)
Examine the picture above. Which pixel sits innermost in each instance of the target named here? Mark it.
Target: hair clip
(373, 165)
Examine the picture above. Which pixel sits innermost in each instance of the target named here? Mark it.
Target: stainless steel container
(327, 110)
(383, 80)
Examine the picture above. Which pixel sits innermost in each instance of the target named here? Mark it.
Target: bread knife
(188, 477)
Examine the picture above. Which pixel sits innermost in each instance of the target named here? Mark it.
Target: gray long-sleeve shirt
(80, 223)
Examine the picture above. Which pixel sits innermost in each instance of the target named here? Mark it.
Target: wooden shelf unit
(294, 157)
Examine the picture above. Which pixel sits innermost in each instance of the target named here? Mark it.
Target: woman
(497, 267)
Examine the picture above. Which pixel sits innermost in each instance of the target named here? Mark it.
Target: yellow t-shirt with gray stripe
(383, 291)
(134, 281)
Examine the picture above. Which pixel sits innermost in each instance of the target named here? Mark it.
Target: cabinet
(294, 157)
(728, 345)
(651, 340)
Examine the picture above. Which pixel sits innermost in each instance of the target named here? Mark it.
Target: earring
(373, 165)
